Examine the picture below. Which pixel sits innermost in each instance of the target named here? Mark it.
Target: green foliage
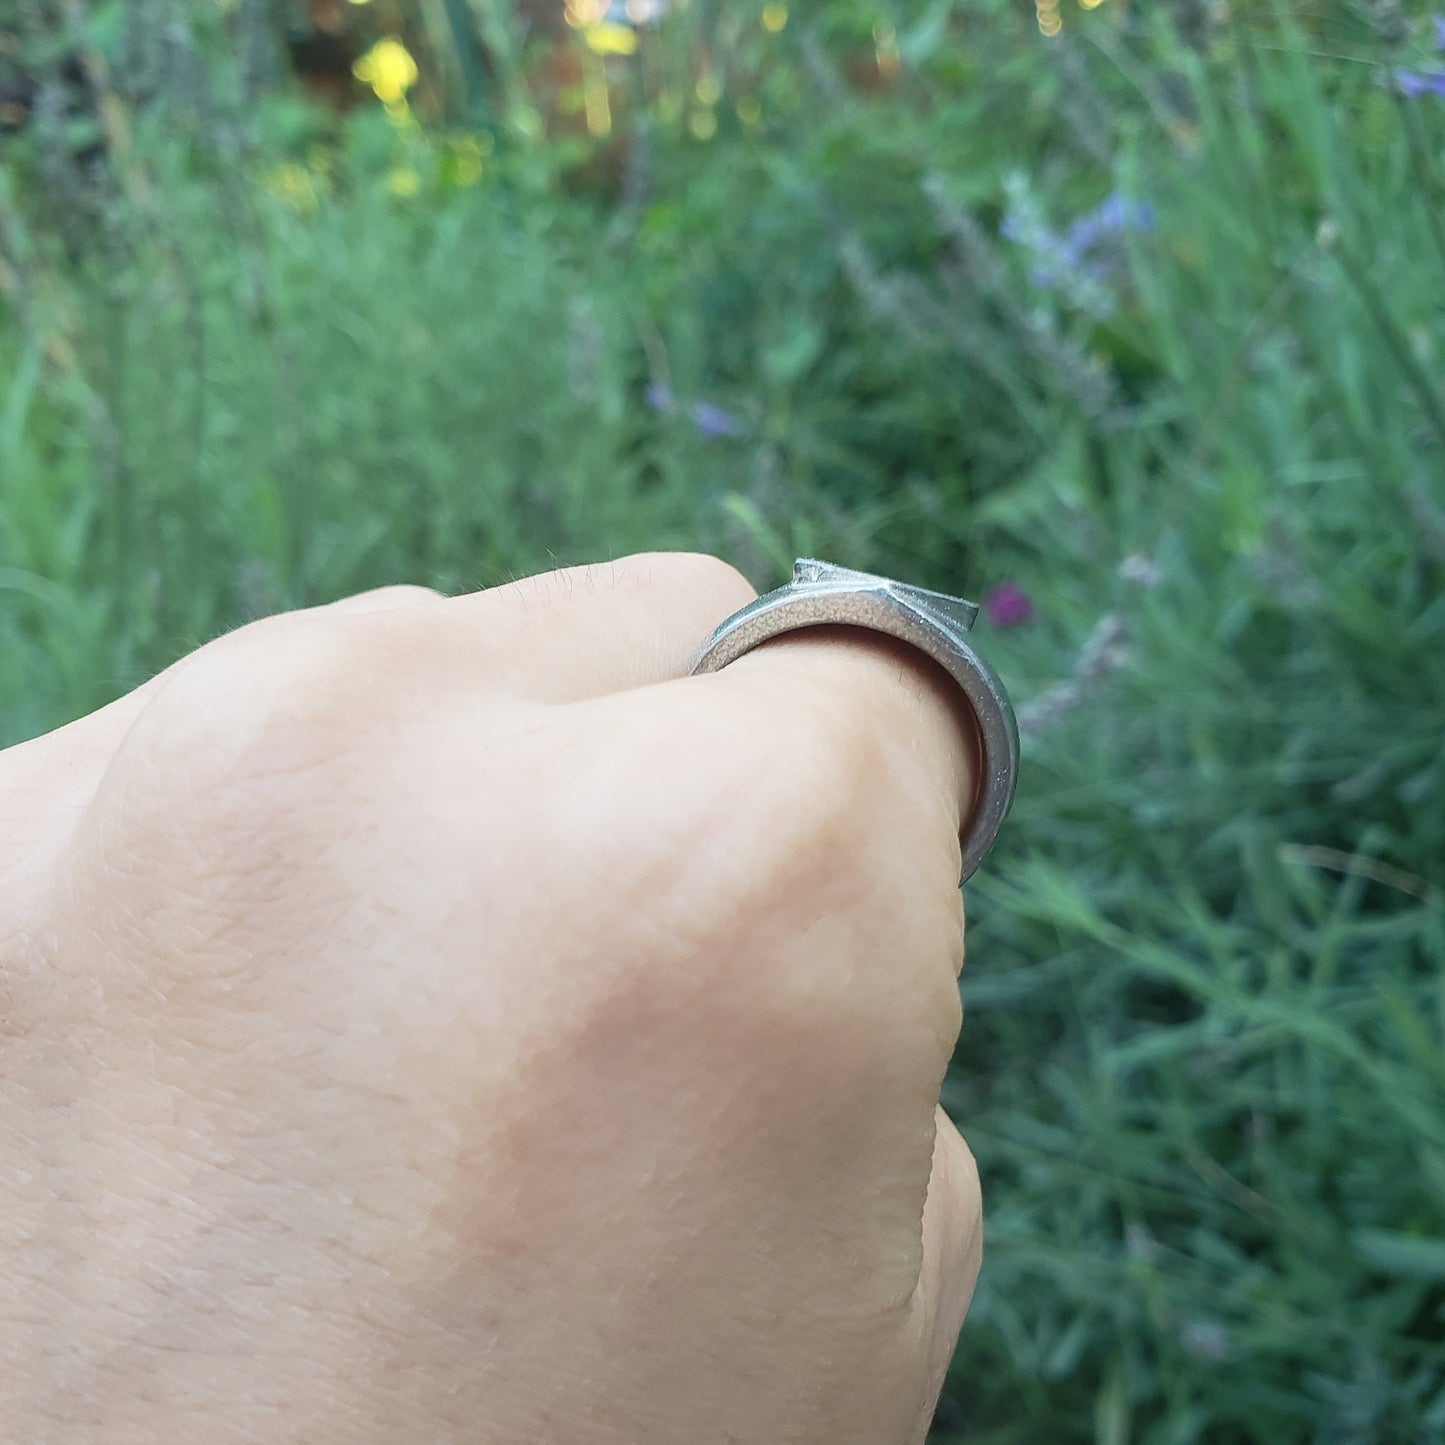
(1202, 1068)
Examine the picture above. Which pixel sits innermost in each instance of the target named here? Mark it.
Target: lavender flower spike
(1414, 82)
(713, 421)
(1439, 32)
(1114, 214)
(710, 420)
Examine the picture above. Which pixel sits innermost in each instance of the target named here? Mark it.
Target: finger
(68, 759)
(586, 632)
(405, 596)
(916, 718)
(560, 636)
(952, 1254)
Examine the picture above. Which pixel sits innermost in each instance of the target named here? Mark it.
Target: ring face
(822, 593)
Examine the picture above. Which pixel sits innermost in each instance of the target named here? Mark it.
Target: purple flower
(710, 420)
(713, 421)
(1414, 82)
(1114, 215)
(1424, 82)
(1080, 262)
(1007, 605)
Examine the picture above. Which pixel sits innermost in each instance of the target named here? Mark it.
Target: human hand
(439, 1020)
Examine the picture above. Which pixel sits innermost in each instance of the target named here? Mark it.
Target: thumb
(952, 1253)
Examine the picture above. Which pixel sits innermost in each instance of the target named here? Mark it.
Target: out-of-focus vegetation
(1128, 315)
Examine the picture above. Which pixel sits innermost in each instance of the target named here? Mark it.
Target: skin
(441, 1020)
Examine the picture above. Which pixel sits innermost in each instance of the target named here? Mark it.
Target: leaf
(19, 398)
(919, 43)
(787, 360)
(1403, 1256)
(749, 516)
(1111, 1408)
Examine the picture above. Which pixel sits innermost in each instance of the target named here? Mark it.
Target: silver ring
(821, 593)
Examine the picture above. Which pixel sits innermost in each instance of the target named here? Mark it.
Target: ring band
(937, 624)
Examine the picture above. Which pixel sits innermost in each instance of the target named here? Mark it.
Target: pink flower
(1007, 605)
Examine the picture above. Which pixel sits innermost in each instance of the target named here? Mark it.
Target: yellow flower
(608, 39)
(388, 69)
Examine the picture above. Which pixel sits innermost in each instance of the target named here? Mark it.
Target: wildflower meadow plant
(710, 419)
(1007, 605)
(1415, 83)
(1080, 262)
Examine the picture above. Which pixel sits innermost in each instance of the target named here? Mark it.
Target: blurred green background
(1129, 317)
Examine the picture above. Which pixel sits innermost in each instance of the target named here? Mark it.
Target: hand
(432, 1020)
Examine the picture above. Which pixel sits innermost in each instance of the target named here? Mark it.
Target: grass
(1202, 1068)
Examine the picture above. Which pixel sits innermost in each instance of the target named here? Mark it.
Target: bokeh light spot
(403, 182)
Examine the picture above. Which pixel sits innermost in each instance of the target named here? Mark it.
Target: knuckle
(239, 730)
(712, 577)
(697, 579)
(288, 679)
(385, 599)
